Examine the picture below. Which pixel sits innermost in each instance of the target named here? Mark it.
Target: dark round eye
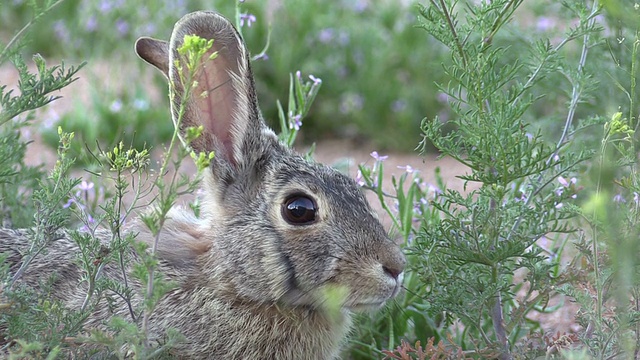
(299, 210)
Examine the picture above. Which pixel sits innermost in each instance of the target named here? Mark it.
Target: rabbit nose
(394, 272)
(395, 265)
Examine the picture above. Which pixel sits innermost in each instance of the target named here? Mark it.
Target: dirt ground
(328, 152)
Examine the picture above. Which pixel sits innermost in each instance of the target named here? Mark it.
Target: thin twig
(452, 27)
(575, 96)
(498, 22)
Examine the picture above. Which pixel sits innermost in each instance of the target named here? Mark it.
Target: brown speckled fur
(250, 284)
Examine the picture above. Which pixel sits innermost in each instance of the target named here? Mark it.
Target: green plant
(127, 118)
(466, 253)
(479, 266)
(608, 290)
(27, 196)
(18, 180)
(489, 234)
(28, 316)
(409, 209)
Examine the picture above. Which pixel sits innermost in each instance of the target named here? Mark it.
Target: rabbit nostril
(393, 272)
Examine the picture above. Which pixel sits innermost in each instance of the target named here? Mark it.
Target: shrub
(478, 258)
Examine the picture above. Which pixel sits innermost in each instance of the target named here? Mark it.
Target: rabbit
(256, 274)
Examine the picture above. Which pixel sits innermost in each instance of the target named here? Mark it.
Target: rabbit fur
(251, 284)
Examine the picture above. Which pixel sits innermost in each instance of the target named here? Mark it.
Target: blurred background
(378, 68)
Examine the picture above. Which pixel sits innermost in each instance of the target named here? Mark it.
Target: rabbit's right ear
(155, 52)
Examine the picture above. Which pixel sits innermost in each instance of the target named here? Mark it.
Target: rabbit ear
(223, 99)
(155, 52)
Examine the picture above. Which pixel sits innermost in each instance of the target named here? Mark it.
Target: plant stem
(576, 91)
(165, 163)
(452, 28)
(24, 29)
(575, 97)
(498, 321)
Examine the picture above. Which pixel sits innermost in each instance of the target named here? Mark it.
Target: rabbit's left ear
(222, 98)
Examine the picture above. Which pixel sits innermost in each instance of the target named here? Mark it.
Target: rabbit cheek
(309, 261)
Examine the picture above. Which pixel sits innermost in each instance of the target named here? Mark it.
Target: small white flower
(408, 169)
(375, 155)
(116, 106)
(315, 80)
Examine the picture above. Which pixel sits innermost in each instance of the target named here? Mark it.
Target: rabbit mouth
(366, 307)
(371, 304)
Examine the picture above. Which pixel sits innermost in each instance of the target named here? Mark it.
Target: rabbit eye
(299, 210)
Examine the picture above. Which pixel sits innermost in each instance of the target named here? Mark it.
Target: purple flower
(85, 186)
(360, 5)
(443, 97)
(122, 27)
(140, 104)
(359, 178)
(417, 211)
(105, 6)
(262, 56)
(249, 18)
(343, 38)
(148, 28)
(69, 203)
(326, 35)
(522, 197)
(295, 122)
(432, 189)
(92, 24)
(398, 106)
(378, 157)
(315, 80)
(26, 133)
(619, 199)
(50, 119)
(408, 169)
(116, 106)
(61, 31)
(545, 23)
(565, 184)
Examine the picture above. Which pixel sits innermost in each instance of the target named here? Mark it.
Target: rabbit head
(283, 230)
